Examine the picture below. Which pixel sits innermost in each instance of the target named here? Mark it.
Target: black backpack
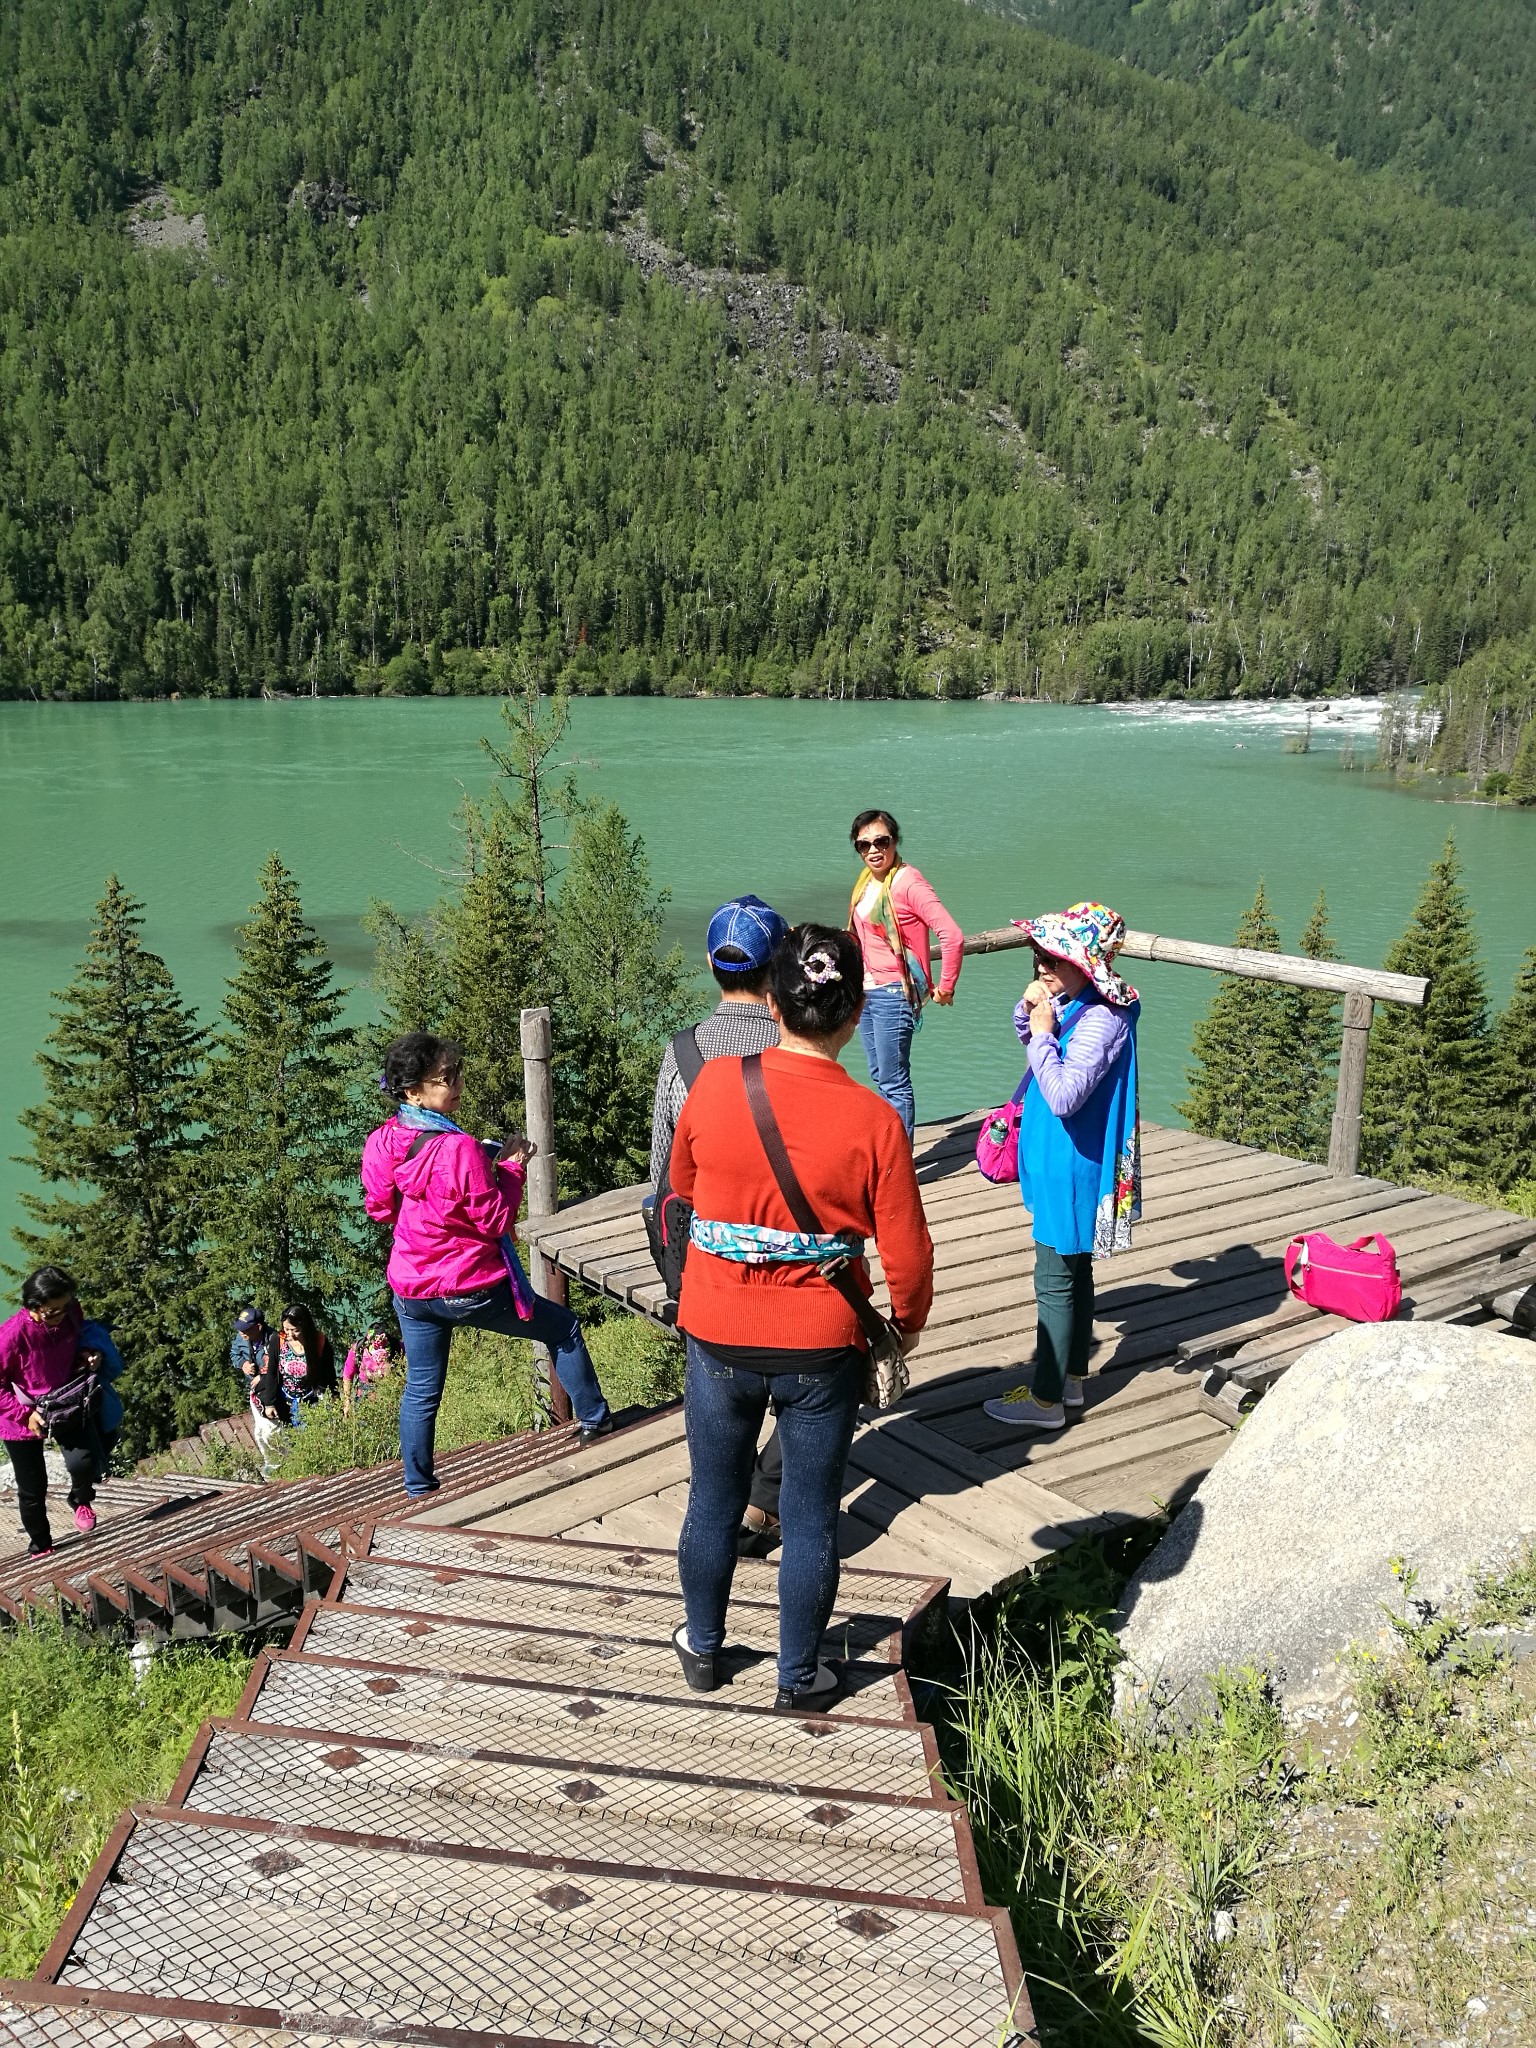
(668, 1217)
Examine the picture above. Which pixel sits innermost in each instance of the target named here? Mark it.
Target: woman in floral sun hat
(1079, 1143)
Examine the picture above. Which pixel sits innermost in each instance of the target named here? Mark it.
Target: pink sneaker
(85, 1520)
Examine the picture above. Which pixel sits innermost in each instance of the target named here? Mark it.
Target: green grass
(81, 1738)
(1243, 1882)
(490, 1393)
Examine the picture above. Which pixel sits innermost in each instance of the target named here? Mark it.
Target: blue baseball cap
(752, 928)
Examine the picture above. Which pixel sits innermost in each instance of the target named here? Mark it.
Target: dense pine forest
(792, 348)
(1440, 92)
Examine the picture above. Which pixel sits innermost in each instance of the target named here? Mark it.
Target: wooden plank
(940, 1545)
(1003, 1506)
(1114, 1418)
(1076, 1468)
(553, 1513)
(622, 1448)
(1137, 1492)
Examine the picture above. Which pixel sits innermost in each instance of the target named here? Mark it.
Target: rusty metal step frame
(711, 1724)
(323, 1621)
(69, 2016)
(558, 1607)
(651, 1939)
(636, 1565)
(704, 1828)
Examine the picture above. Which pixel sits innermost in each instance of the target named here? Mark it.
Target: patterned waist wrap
(754, 1244)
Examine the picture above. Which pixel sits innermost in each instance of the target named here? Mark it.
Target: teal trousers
(1063, 1318)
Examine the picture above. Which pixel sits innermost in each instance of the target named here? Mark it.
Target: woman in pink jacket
(453, 1202)
(895, 915)
(39, 1348)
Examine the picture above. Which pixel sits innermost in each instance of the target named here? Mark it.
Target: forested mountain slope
(1442, 92)
(770, 347)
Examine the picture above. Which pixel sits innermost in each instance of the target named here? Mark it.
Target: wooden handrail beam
(1336, 976)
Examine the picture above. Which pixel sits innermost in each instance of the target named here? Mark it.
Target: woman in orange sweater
(763, 1324)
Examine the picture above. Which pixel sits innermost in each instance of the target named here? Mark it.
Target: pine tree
(1242, 1083)
(1511, 1154)
(122, 1102)
(286, 1117)
(1427, 1074)
(469, 967)
(493, 942)
(1315, 1057)
(618, 998)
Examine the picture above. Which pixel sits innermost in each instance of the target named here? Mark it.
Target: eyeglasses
(52, 1311)
(449, 1075)
(878, 844)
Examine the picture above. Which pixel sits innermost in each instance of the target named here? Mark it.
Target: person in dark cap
(249, 1348)
(744, 935)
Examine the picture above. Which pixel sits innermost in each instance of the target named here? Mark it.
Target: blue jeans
(724, 1407)
(427, 1326)
(886, 1028)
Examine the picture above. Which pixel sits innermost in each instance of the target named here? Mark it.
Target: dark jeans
(1063, 1318)
(427, 1327)
(80, 1448)
(724, 1407)
(886, 1029)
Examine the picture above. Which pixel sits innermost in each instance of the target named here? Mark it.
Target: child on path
(367, 1363)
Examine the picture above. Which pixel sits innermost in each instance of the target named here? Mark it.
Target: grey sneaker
(1072, 1390)
(1027, 1413)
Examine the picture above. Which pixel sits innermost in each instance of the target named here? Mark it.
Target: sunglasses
(878, 844)
(52, 1311)
(448, 1075)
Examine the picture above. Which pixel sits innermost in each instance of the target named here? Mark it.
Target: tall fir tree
(469, 967)
(1427, 1073)
(1242, 1085)
(619, 997)
(118, 1125)
(286, 1116)
(1511, 1154)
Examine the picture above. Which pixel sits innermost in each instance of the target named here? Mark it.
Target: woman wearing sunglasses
(453, 1202)
(895, 915)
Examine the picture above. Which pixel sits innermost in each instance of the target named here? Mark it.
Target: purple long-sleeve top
(1067, 1078)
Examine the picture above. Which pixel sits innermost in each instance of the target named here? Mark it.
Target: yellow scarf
(885, 922)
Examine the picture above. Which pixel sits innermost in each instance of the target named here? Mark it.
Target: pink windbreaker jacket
(34, 1360)
(450, 1208)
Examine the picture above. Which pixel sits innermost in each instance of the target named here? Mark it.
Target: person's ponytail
(817, 980)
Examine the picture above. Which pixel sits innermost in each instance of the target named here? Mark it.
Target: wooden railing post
(1344, 1139)
(543, 1180)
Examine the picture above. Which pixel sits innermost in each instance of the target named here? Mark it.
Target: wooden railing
(1361, 987)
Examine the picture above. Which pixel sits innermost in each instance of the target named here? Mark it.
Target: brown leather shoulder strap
(773, 1143)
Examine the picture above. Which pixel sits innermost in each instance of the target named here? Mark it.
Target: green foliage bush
(81, 1737)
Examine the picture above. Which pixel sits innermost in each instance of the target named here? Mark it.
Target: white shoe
(1027, 1413)
(1072, 1390)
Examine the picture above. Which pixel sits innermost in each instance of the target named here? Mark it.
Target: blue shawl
(1081, 1175)
(417, 1119)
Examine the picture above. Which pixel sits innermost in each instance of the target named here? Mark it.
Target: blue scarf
(417, 1119)
(1081, 1175)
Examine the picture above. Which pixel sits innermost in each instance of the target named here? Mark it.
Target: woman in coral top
(895, 915)
(763, 1323)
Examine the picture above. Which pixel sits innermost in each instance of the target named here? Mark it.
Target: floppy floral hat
(1089, 935)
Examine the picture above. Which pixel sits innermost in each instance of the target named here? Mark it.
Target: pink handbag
(1359, 1280)
(997, 1142)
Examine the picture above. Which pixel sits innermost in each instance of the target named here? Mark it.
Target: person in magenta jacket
(453, 1202)
(895, 914)
(38, 1355)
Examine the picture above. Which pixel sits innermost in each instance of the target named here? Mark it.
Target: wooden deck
(935, 1486)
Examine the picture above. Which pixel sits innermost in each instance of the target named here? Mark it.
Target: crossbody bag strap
(873, 1324)
(687, 1057)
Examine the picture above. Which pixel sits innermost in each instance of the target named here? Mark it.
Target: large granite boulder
(1393, 1440)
